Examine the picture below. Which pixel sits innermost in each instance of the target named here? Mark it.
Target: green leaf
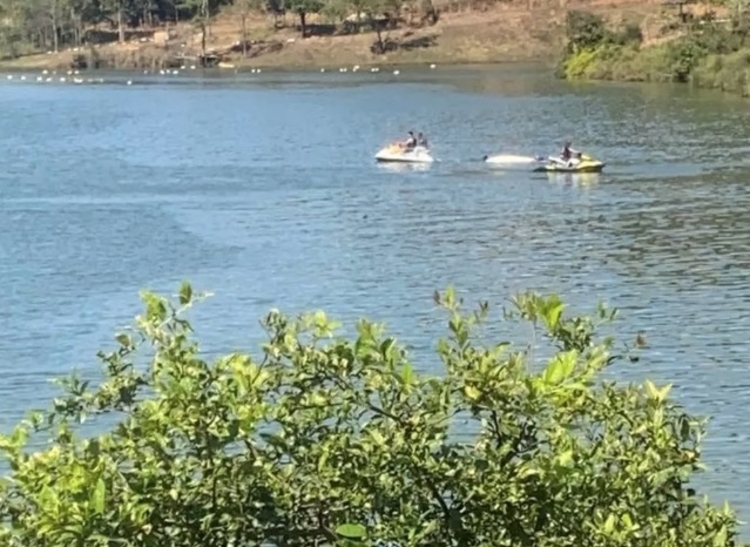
(627, 521)
(565, 458)
(720, 539)
(322, 460)
(186, 293)
(48, 500)
(377, 437)
(552, 311)
(609, 524)
(352, 531)
(98, 496)
(124, 340)
(664, 392)
(407, 374)
(472, 393)
(655, 393)
(560, 367)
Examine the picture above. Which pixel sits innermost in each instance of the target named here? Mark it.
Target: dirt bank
(514, 32)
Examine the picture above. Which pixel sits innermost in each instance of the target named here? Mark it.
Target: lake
(263, 189)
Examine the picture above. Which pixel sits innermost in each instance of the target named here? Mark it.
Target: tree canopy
(27, 26)
(324, 440)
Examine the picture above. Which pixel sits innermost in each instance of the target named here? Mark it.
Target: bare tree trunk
(244, 35)
(53, 16)
(205, 26)
(120, 27)
(303, 23)
(203, 21)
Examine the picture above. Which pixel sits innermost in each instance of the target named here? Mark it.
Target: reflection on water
(223, 182)
(575, 179)
(403, 166)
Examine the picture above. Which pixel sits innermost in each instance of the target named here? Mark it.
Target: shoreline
(362, 68)
(704, 52)
(548, 62)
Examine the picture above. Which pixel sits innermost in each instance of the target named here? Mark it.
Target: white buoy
(130, 82)
(396, 72)
(23, 77)
(45, 71)
(10, 77)
(432, 65)
(322, 69)
(62, 79)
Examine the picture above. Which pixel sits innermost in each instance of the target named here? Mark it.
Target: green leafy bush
(584, 30)
(324, 440)
(725, 72)
(587, 31)
(596, 52)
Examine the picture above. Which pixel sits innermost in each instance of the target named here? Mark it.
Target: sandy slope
(531, 30)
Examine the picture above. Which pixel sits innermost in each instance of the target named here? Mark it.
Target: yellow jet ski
(580, 164)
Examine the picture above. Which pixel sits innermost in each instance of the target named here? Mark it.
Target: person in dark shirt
(567, 151)
(411, 142)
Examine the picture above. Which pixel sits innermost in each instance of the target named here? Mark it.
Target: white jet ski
(396, 153)
(515, 163)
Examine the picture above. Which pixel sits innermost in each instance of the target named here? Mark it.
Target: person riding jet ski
(410, 143)
(569, 154)
(422, 140)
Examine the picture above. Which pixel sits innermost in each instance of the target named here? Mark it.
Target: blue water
(263, 189)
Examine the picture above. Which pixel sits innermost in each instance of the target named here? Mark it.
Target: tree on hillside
(324, 439)
(116, 10)
(245, 8)
(302, 8)
(10, 33)
(202, 10)
(375, 14)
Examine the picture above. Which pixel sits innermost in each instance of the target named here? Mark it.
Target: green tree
(326, 440)
(303, 8)
(584, 30)
(244, 9)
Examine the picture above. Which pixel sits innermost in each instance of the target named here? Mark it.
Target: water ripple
(265, 192)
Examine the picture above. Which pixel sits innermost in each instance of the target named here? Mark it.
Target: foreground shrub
(325, 440)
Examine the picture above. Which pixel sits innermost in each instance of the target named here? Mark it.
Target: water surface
(263, 189)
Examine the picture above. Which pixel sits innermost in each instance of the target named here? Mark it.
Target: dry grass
(530, 30)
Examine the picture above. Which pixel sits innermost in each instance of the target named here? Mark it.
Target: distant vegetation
(48, 25)
(706, 51)
(331, 441)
